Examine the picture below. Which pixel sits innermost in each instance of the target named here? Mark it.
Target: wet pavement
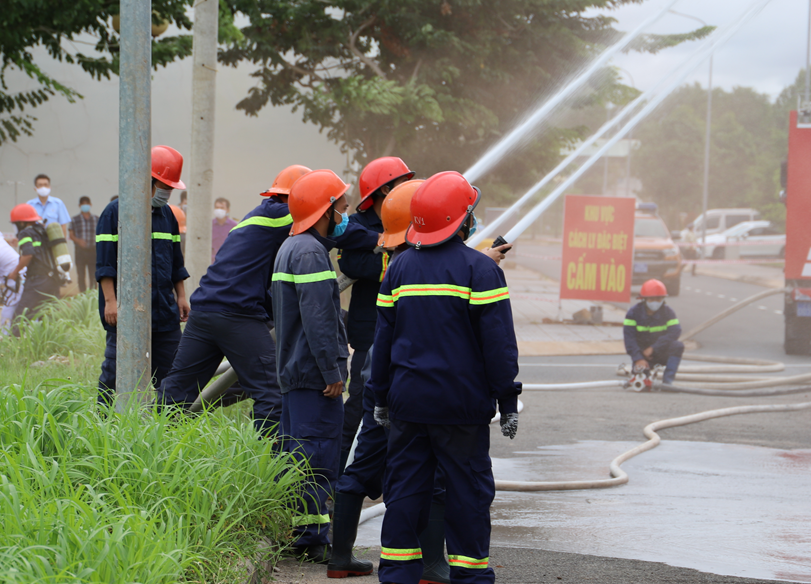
(727, 509)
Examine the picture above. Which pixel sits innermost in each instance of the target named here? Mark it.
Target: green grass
(89, 496)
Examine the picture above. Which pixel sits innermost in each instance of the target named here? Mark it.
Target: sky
(77, 144)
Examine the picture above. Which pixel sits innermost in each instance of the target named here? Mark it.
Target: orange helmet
(439, 208)
(285, 179)
(652, 289)
(167, 164)
(396, 213)
(378, 173)
(180, 216)
(24, 213)
(311, 195)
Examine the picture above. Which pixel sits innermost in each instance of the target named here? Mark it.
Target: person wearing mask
(232, 311)
(651, 332)
(376, 181)
(48, 207)
(311, 349)
(169, 304)
(41, 279)
(221, 225)
(445, 356)
(83, 234)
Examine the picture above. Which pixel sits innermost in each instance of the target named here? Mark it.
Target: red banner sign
(598, 248)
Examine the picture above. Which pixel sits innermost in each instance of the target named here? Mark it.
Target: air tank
(59, 247)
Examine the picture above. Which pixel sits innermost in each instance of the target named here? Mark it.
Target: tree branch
(353, 36)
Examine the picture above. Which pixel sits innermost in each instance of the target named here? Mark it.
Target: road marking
(698, 290)
(762, 307)
(709, 293)
(733, 299)
(780, 312)
(721, 296)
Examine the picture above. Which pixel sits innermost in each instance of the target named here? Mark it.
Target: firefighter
(445, 355)
(232, 313)
(376, 181)
(169, 304)
(41, 278)
(652, 332)
(311, 348)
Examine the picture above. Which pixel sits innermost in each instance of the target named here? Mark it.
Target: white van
(719, 220)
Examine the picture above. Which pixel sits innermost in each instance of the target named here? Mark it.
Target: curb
(757, 280)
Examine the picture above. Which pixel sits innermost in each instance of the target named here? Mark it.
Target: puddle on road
(719, 508)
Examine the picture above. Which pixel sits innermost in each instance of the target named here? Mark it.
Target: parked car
(761, 239)
(655, 254)
(719, 220)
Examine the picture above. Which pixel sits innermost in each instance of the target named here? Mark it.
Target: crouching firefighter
(652, 332)
(311, 349)
(444, 356)
(42, 276)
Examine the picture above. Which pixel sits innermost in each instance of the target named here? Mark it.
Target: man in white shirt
(49, 208)
(8, 261)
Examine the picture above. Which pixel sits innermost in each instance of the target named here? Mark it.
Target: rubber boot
(670, 370)
(432, 541)
(344, 531)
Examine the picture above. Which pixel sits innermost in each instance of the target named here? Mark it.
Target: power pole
(201, 185)
(134, 328)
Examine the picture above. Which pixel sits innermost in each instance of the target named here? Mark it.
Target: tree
(433, 81)
(59, 26)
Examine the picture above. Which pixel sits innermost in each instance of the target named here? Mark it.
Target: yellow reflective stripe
(265, 222)
(629, 322)
(673, 322)
(384, 300)
(402, 555)
(385, 265)
(466, 562)
(162, 235)
(304, 278)
(310, 520)
(25, 240)
(489, 296)
(431, 290)
(106, 237)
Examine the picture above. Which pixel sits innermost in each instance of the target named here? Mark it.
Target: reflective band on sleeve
(629, 322)
(169, 236)
(489, 296)
(106, 237)
(304, 278)
(310, 520)
(466, 562)
(402, 555)
(24, 240)
(673, 322)
(385, 265)
(654, 329)
(385, 300)
(265, 222)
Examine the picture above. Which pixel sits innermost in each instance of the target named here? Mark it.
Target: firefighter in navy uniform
(652, 332)
(41, 278)
(445, 356)
(376, 181)
(169, 304)
(232, 313)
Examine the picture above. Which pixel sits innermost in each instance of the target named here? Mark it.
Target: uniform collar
(325, 241)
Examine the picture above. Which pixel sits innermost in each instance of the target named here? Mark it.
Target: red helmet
(285, 179)
(652, 289)
(439, 208)
(311, 196)
(24, 213)
(167, 164)
(378, 173)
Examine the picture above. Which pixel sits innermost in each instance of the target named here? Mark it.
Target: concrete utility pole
(134, 186)
(201, 185)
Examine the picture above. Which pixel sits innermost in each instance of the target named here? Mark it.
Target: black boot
(344, 532)
(432, 541)
(314, 554)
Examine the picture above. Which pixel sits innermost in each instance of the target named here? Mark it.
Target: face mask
(654, 305)
(340, 227)
(474, 226)
(85, 208)
(43, 191)
(220, 213)
(161, 197)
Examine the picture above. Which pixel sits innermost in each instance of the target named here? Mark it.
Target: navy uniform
(444, 355)
(167, 270)
(659, 330)
(232, 314)
(368, 269)
(41, 279)
(311, 353)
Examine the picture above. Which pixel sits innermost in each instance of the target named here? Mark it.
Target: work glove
(509, 425)
(382, 416)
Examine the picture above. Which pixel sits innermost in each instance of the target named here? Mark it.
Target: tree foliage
(433, 81)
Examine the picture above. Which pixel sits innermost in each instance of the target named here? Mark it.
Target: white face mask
(161, 197)
(654, 305)
(44, 191)
(220, 213)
